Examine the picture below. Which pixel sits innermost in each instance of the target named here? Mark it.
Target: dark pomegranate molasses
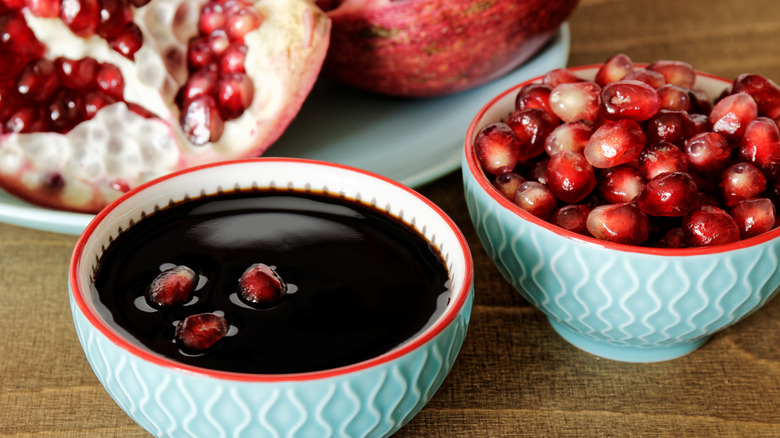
(352, 282)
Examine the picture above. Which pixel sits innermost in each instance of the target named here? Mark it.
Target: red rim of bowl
(479, 176)
(454, 307)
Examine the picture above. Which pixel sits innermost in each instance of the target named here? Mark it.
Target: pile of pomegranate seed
(218, 88)
(259, 287)
(640, 156)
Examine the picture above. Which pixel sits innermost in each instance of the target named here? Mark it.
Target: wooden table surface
(514, 375)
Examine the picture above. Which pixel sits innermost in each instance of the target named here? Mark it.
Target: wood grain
(514, 376)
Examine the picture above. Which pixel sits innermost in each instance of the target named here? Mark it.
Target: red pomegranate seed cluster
(41, 95)
(259, 286)
(218, 89)
(641, 156)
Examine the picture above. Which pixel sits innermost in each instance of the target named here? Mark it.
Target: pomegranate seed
(670, 126)
(235, 92)
(507, 183)
(8, 101)
(652, 79)
(76, 74)
(701, 123)
(212, 18)
(674, 98)
(700, 101)
(560, 76)
(200, 120)
(497, 147)
(110, 81)
(661, 157)
(620, 184)
(127, 40)
(531, 127)
(94, 101)
(202, 82)
(25, 119)
(44, 8)
(218, 42)
(614, 69)
(66, 110)
(577, 100)
(572, 217)
(754, 216)
(18, 38)
(707, 153)
(670, 194)
(261, 286)
(675, 72)
(740, 182)
(113, 15)
(172, 287)
(628, 99)
(673, 238)
(619, 223)
(764, 91)
(536, 198)
(569, 136)
(534, 96)
(731, 115)
(199, 54)
(760, 145)
(242, 22)
(538, 170)
(81, 16)
(200, 332)
(570, 176)
(615, 143)
(232, 59)
(707, 225)
(38, 80)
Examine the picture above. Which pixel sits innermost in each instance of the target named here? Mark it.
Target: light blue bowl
(619, 302)
(369, 399)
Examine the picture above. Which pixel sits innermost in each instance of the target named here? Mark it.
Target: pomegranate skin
(424, 48)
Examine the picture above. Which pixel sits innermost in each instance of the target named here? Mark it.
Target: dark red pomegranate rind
(423, 48)
(695, 180)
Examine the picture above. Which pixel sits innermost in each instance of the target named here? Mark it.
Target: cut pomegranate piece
(619, 223)
(708, 225)
(670, 194)
(620, 184)
(497, 147)
(266, 57)
(576, 100)
(740, 182)
(261, 286)
(754, 216)
(172, 287)
(197, 333)
(570, 176)
(628, 99)
(615, 143)
(536, 198)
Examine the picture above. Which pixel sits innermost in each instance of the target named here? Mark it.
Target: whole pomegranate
(420, 48)
(98, 96)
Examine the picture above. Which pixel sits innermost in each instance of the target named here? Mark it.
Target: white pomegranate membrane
(181, 82)
(640, 156)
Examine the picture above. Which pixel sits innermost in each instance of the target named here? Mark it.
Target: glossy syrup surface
(361, 282)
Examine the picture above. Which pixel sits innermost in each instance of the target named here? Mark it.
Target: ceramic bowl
(372, 398)
(620, 302)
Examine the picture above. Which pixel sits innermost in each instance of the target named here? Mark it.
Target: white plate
(413, 141)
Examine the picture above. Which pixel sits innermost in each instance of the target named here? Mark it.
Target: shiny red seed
(754, 216)
(678, 73)
(531, 126)
(66, 110)
(670, 194)
(572, 217)
(577, 100)
(260, 285)
(110, 81)
(707, 225)
(17, 38)
(44, 8)
(77, 74)
(661, 157)
(536, 198)
(201, 82)
(507, 184)
(127, 40)
(707, 153)
(653, 79)
(570, 176)
(212, 18)
(629, 99)
(670, 126)
(569, 136)
(497, 147)
(760, 145)
(232, 59)
(172, 287)
(615, 143)
(94, 101)
(24, 120)
(534, 96)
(731, 115)
(242, 22)
(614, 69)
(619, 223)
(200, 120)
(560, 76)
(674, 98)
(620, 184)
(739, 182)
(38, 80)
(199, 54)
(764, 91)
(81, 16)
(235, 92)
(200, 332)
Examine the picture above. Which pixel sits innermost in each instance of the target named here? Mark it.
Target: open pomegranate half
(423, 48)
(98, 96)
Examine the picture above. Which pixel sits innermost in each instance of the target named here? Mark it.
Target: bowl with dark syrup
(271, 297)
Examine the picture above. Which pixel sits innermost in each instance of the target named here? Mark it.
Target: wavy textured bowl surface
(617, 301)
(369, 399)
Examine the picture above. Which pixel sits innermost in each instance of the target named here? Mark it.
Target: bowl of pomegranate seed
(633, 204)
(271, 296)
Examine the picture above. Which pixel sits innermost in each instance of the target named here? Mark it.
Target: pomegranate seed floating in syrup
(640, 156)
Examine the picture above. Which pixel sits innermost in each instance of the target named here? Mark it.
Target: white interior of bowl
(390, 196)
(502, 105)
